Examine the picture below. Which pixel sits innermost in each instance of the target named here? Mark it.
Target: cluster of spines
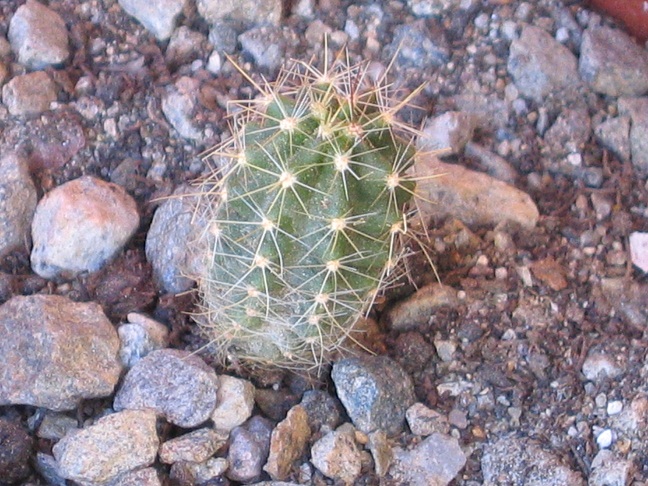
(306, 215)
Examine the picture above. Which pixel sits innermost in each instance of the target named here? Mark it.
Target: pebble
(48, 468)
(599, 366)
(323, 410)
(614, 134)
(337, 456)
(424, 421)
(38, 36)
(381, 452)
(569, 132)
(190, 473)
(605, 438)
(436, 460)
(496, 166)
(375, 391)
(614, 407)
(632, 420)
(248, 449)
(29, 94)
(17, 203)
(287, 443)
(472, 197)
(540, 65)
(147, 476)
(179, 104)
(637, 109)
(447, 134)
(520, 460)
(139, 337)
(174, 383)
(75, 342)
(157, 16)
(54, 426)
(445, 350)
(185, 46)
(235, 403)
(415, 311)
(15, 451)
(196, 446)
(457, 418)
(115, 444)
(612, 63)
(420, 43)
(608, 469)
(266, 45)
(246, 12)
(639, 250)
(80, 225)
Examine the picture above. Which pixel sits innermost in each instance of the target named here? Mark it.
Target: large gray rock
(174, 383)
(157, 16)
(55, 352)
(81, 225)
(38, 36)
(375, 391)
(612, 63)
(540, 65)
(114, 445)
(17, 203)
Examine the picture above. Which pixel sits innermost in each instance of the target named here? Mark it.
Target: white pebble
(604, 439)
(614, 407)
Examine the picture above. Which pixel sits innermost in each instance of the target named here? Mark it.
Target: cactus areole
(304, 216)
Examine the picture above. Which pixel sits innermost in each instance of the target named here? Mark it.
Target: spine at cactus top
(305, 216)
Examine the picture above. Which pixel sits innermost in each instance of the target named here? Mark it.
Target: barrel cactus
(304, 216)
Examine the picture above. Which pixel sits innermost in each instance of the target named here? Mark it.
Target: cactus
(304, 216)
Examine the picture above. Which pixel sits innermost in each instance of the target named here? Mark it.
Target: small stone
(540, 65)
(174, 383)
(190, 473)
(288, 443)
(81, 225)
(29, 94)
(612, 63)
(447, 133)
(415, 311)
(608, 469)
(115, 444)
(381, 452)
(38, 36)
(55, 426)
(614, 134)
(637, 109)
(157, 16)
(75, 342)
(437, 460)
(495, 166)
(550, 272)
(323, 410)
(196, 446)
(248, 450)
(141, 477)
(605, 438)
(48, 468)
(639, 250)
(445, 350)
(139, 337)
(235, 403)
(420, 43)
(15, 452)
(375, 391)
(184, 46)
(179, 105)
(424, 421)
(602, 205)
(457, 418)
(266, 45)
(614, 407)
(599, 366)
(569, 133)
(17, 203)
(632, 421)
(246, 12)
(336, 455)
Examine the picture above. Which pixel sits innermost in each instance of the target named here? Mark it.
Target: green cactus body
(306, 215)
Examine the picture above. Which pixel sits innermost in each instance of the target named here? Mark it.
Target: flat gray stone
(112, 446)
(17, 203)
(55, 352)
(157, 16)
(174, 383)
(38, 36)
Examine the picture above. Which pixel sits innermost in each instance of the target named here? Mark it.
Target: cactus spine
(304, 216)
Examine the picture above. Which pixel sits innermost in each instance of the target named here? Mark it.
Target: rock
(115, 444)
(179, 104)
(140, 477)
(55, 352)
(513, 460)
(196, 446)
(639, 250)
(447, 133)
(15, 452)
(139, 337)
(287, 443)
(472, 197)
(55, 138)
(420, 43)
(174, 225)
(495, 166)
(540, 65)
(435, 461)
(81, 225)
(614, 134)
(266, 45)
(245, 12)
(38, 36)
(185, 46)
(599, 366)
(336, 455)
(415, 311)
(223, 37)
(381, 452)
(429, 8)
(55, 425)
(625, 297)
(632, 421)
(424, 421)
(248, 449)
(569, 133)
(608, 469)
(235, 402)
(190, 473)
(29, 94)
(637, 109)
(48, 468)
(157, 16)
(322, 409)
(550, 272)
(17, 203)
(375, 391)
(612, 63)
(174, 383)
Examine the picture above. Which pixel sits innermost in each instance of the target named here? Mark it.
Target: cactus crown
(305, 215)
